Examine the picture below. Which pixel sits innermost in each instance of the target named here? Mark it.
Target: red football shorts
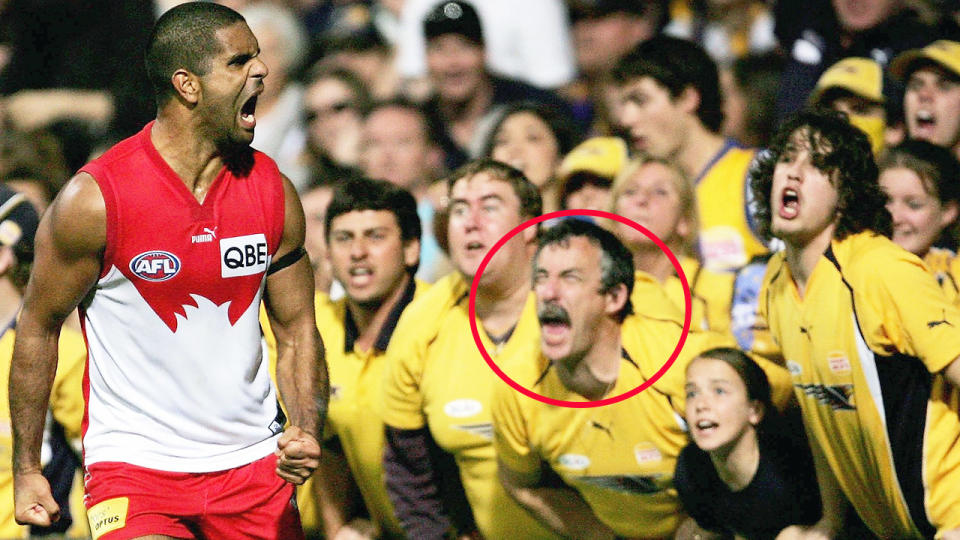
(251, 502)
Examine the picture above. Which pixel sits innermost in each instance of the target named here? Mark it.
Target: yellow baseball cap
(602, 156)
(944, 53)
(860, 76)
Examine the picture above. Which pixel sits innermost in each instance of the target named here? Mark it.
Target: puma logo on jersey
(209, 235)
(933, 324)
(606, 429)
(243, 255)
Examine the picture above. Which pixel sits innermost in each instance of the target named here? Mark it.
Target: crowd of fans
(655, 110)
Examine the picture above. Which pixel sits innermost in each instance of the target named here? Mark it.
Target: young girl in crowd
(748, 471)
(922, 181)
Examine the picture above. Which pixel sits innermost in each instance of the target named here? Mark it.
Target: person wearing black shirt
(748, 470)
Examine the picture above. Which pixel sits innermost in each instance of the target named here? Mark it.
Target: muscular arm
(301, 368)
(560, 508)
(69, 247)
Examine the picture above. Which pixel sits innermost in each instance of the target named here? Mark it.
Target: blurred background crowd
(408, 90)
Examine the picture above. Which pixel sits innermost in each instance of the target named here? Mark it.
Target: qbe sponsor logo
(155, 265)
(243, 255)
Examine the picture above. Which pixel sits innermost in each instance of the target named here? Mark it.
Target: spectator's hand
(298, 455)
(357, 529)
(953, 534)
(33, 502)
(801, 532)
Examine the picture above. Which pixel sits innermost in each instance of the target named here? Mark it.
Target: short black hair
(358, 194)
(676, 64)
(531, 204)
(616, 262)
(838, 149)
(561, 125)
(185, 37)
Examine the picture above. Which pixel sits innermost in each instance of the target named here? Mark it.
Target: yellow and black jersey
(727, 240)
(861, 345)
(356, 392)
(620, 457)
(941, 264)
(710, 295)
(437, 378)
(66, 406)
(658, 301)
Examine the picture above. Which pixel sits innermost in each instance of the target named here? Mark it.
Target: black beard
(238, 158)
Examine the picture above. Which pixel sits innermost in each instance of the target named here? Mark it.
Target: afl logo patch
(155, 265)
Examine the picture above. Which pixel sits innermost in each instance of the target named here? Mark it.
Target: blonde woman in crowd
(657, 195)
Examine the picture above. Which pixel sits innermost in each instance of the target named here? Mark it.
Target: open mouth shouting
(248, 119)
(554, 323)
(476, 248)
(925, 124)
(789, 203)
(360, 276)
(705, 428)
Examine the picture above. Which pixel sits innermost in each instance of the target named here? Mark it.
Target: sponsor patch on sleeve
(107, 516)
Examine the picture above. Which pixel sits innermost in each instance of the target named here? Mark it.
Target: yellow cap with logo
(602, 156)
(944, 53)
(860, 76)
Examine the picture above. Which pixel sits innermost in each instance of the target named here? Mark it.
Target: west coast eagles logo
(838, 397)
(155, 265)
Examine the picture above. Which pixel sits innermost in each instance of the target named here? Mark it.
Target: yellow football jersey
(619, 457)
(727, 241)
(356, 384)
(436, 377)
(940, 263)
(710, 320)
(710, 295)
(67, 407)
(861, 345)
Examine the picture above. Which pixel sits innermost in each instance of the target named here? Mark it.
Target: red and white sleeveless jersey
(177, 379)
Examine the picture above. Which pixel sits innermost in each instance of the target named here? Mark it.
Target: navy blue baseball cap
(453, 17)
